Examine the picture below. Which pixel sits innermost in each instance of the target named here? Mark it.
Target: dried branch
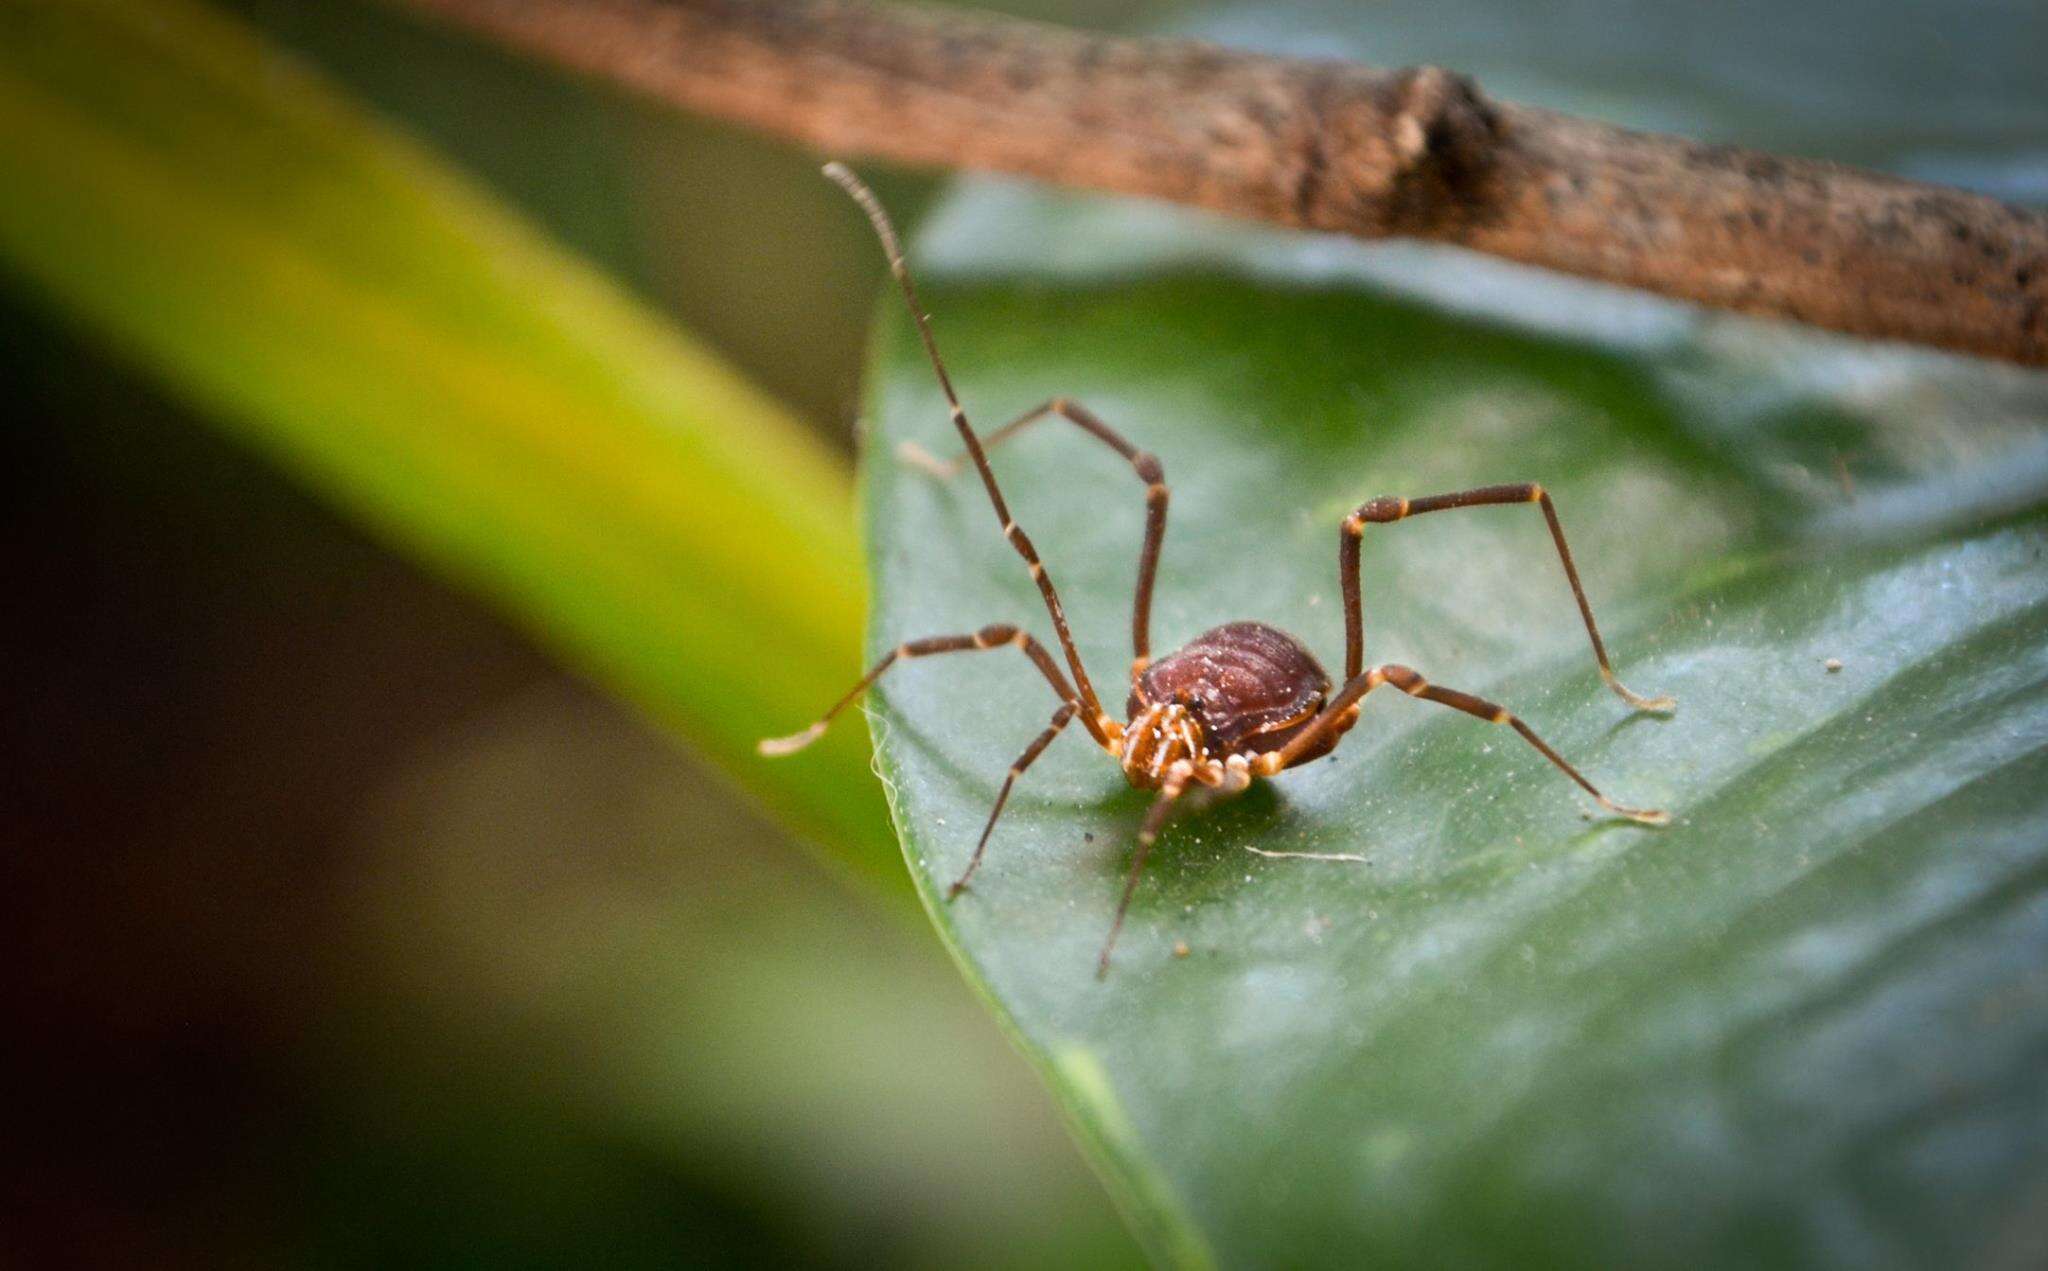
(1328, 145)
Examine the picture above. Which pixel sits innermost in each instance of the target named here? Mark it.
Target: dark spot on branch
(1021, 72)
(1315, 150)
(1766, 170)
(1445, 134)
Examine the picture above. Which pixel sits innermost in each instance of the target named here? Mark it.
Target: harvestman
(1241, 701)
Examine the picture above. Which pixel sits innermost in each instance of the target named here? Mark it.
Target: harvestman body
(1244, 700)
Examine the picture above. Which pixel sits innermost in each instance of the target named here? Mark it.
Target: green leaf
(1807, 1023)
(342, 301)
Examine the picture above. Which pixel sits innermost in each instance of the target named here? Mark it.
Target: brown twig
(1328, 145)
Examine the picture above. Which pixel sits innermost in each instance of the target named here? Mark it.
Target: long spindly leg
(1098, 724)
(1343, 709)
(1142, 462)
(1387, 510)
(1414, 685)
(1031, 752)
(997, 635)
(1155, 819)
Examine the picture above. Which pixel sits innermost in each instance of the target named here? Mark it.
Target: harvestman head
(1239, 702)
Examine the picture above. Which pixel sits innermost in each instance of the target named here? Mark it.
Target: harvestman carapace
(1244, 700)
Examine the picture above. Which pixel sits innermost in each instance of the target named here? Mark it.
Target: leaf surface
(1805, 1023)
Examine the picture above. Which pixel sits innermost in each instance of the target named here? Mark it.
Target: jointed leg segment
(1097, 723)
(1031, 752)
(1387, 510)
(1342, 709)
(1155, 819)
(1145, 464)
(997, 635)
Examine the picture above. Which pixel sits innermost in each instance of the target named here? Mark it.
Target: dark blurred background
(340, 927)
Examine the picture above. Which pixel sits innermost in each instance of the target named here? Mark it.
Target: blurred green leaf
(1808, 1023)
(383, 329)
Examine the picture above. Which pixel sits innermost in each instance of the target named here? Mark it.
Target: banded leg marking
(996, 635)
(1145, 464)
(1385, 511)
(1060, 718)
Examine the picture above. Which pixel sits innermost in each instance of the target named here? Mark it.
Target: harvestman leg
(1142, 462)
(1155, 819)
(1031, 752)
(1384, 511)
(1343, 708)
(997, 635)
(1099, 725)
(994, 636)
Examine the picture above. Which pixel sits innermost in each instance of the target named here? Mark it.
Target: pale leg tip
(912, 455)
(1641, 816)
(1662, 704)
(776, 747)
